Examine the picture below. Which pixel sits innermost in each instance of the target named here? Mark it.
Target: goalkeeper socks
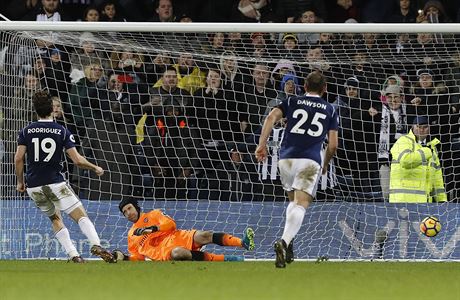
(213, 257)
(294, 218)
(224, 239)
(206, 256)
(87, 227)
(63, 237)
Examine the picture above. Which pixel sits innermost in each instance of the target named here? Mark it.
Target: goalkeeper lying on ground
(154, 236)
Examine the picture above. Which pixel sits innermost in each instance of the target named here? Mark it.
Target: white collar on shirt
(312, 95)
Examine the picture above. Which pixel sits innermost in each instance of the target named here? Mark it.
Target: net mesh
(174, 119)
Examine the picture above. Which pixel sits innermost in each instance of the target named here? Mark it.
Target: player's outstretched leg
(280, 251)
(290, 252)
(103, 253)
(248, 239)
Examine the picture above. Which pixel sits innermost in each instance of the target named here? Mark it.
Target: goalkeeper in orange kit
(154, 236)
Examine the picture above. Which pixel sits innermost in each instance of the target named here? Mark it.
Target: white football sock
(294, 219)
(63, 237)
(89, 231)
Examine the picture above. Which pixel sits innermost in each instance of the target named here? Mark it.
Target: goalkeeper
(154, 236)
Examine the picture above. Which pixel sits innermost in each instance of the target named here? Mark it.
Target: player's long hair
(43, 104)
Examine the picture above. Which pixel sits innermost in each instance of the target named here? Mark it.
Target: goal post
(173, 113)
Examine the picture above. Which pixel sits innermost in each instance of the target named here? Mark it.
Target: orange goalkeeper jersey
(158, 245)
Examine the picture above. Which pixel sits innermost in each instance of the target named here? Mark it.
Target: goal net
(174, 116)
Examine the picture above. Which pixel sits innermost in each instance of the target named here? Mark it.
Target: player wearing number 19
(43, 142)
(310, 119)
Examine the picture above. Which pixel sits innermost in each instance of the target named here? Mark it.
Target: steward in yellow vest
(416, 175)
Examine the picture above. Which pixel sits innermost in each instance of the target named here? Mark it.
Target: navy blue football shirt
(309, 119)
(45, 141)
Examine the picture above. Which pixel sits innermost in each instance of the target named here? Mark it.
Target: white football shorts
(54, 196)
(300, 174)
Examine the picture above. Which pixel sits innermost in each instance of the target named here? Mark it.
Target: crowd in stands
(179, 115)
(281, 11)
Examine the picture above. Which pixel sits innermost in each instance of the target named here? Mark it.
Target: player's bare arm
(275, 115)
(333, 143)
(82, 162)
(19, 164)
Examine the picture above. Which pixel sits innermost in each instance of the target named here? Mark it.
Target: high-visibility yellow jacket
(416, 174)
(191, 82)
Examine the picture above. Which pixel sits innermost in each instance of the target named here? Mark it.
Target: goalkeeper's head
(122, 206)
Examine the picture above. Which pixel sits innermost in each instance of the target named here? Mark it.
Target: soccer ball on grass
(430, 226)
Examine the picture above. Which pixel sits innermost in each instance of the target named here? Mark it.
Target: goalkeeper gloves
(145, 230)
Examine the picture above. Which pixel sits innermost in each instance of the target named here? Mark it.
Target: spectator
(232, 77)
(416, 173)
(18, 9)
(156, 68)
(81, 103)
(39, 69)
(289, 87)
(282, 68)
(215, 45)
(259, 45)
(393, 125)
(217, 120)
(326, 42)
(114, 101)
(430, 98)
(31, 84)
(290, 47)
(173, 143)
(257, 93)
(110, 12)
(392, 80)
(49, 10)
(405, 13)
(129, 64)
(59, 117)
(375, 11)
(402, 43)
(253, 11)
(167, 93)
(290, 9)
(189, 76)
(212, 110)
(58, 68)
(184, 18)
(308, 17)
(235, 43)
(314, 59)
(356, 153)
(164, 12)
(85, 55)
(433, 12)
(20, 104)
(91, 14)
(340, 11)
(242, 175)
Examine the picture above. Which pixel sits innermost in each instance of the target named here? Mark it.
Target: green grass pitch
(41, 279)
